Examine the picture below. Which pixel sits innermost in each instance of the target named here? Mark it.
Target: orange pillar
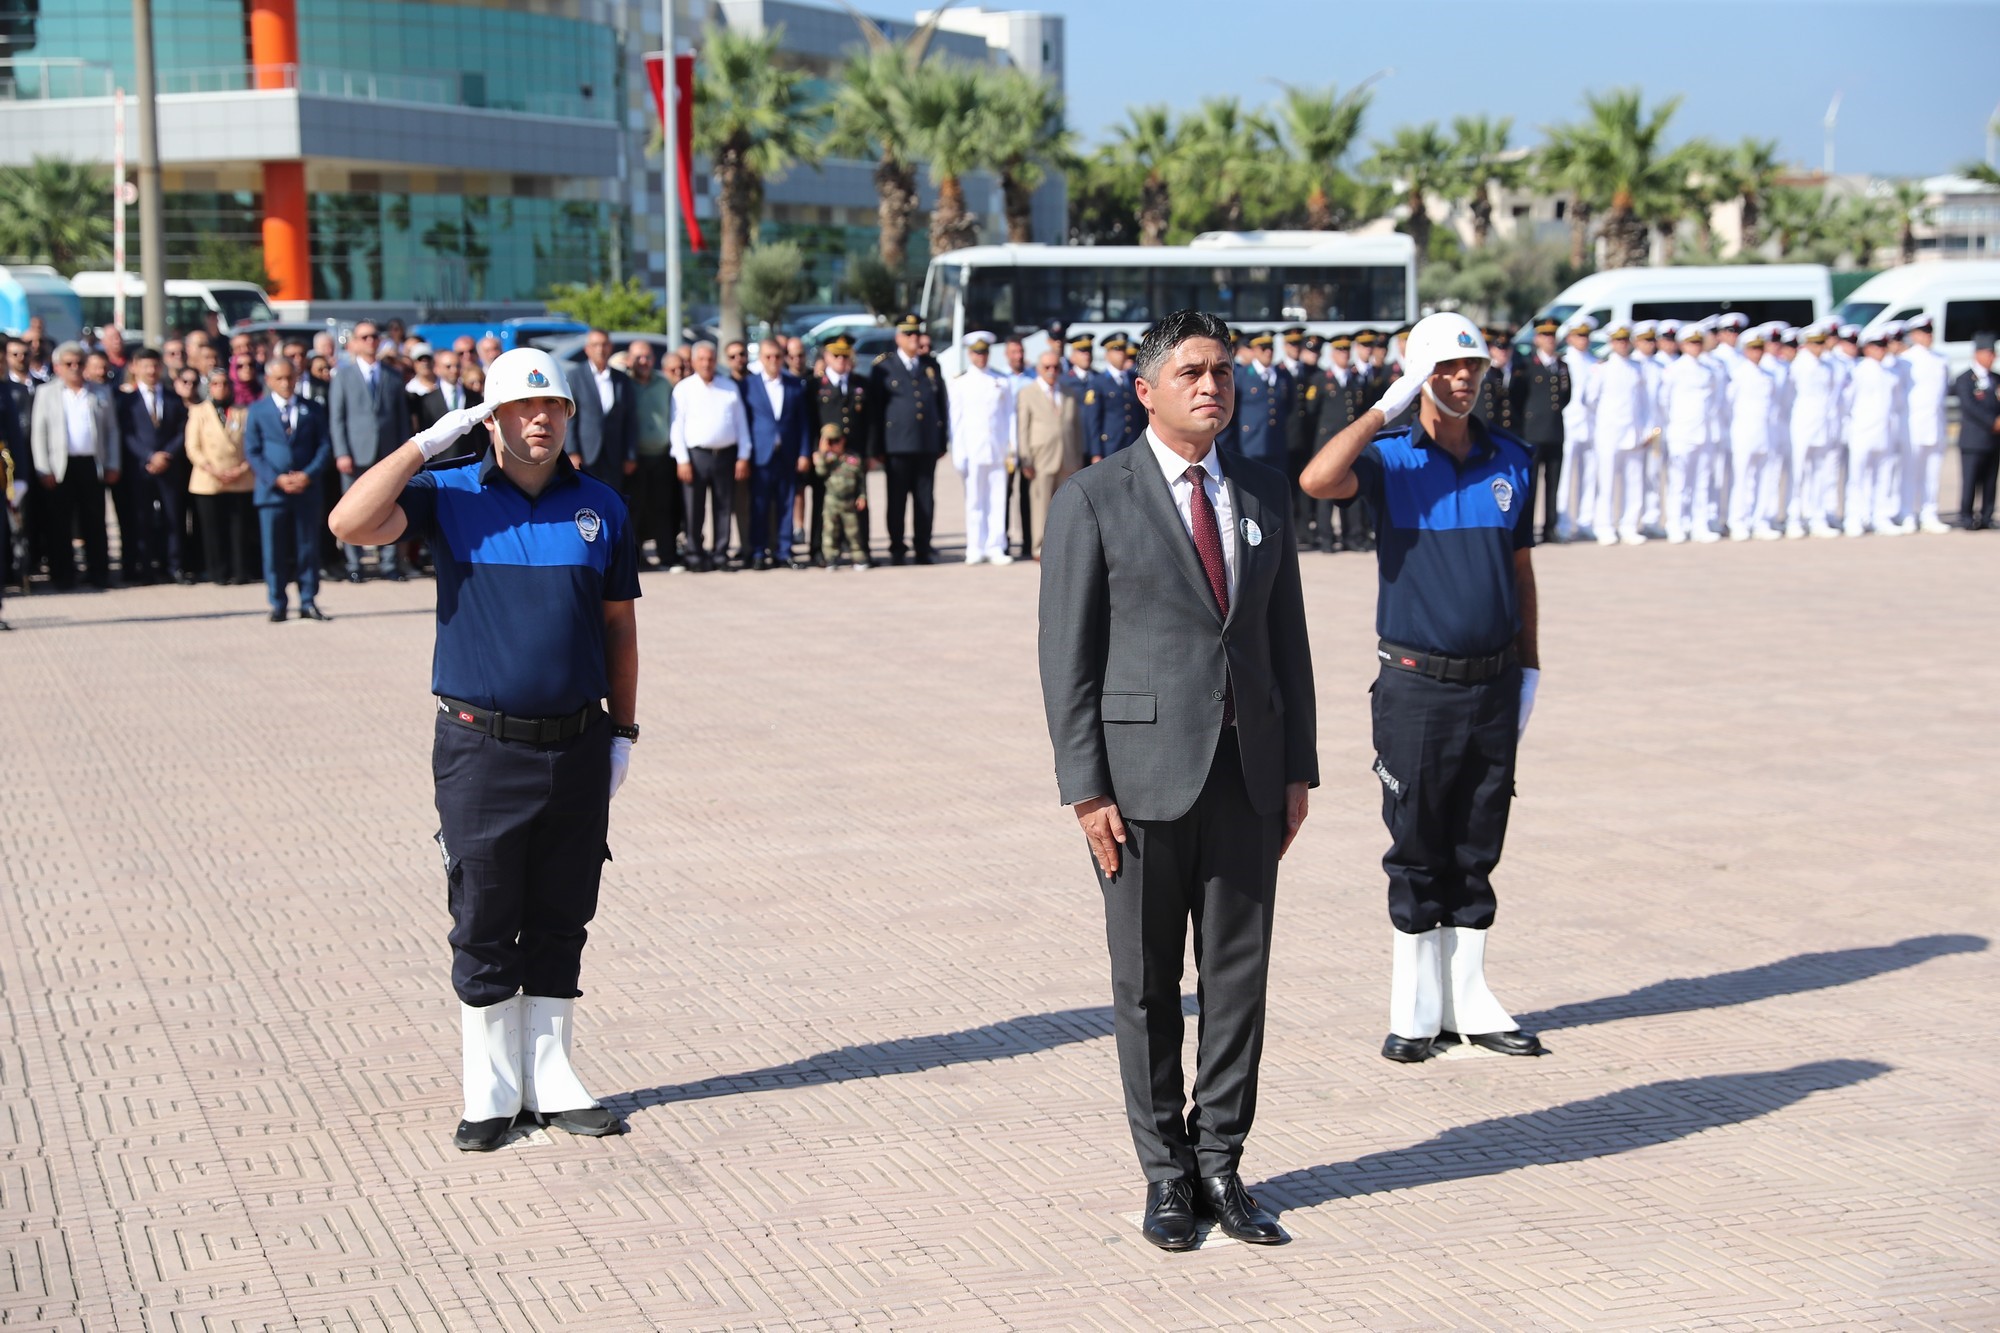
(274, 57)
(286, 255)
(274, 42)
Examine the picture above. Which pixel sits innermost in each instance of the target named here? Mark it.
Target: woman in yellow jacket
(221, 484)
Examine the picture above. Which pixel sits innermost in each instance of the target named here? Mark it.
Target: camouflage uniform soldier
(845, 477)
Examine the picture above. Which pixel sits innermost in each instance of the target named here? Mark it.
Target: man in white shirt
(1754, 469)
(1874, 475)
(982, 450)
(74, 442)
(1579, 464)
(1688, 392)
(709, 427)
(1929, 385)
(1617, 399)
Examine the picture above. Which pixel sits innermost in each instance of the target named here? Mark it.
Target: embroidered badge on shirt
(588, 524)
(1252, 533)
(1503, 492)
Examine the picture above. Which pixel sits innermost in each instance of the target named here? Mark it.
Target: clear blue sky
(1920, 79)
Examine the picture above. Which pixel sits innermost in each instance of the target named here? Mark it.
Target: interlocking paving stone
(848, 983)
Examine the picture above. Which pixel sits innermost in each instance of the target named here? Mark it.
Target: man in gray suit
(370, 418)
(1179, 691)
(604, 435)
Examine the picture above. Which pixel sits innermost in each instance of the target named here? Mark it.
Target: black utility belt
(534, 730)
(1453, 670)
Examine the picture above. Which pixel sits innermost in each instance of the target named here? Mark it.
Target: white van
(189, 300)
(1798, 294)
(1962, 297)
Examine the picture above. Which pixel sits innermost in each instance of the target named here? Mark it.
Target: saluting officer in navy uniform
(1456, 617)
(537, 572)
(1496, 391)
(1112, 417)
(1542, 389)
(1263, 407)
(838, 397)
(911, 423)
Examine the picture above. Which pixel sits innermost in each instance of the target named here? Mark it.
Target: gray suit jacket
(48, 432)
(367, 426)
(1135, 654)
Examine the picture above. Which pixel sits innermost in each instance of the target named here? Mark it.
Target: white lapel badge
(1503, 492)
(1252, 533)
(588, 525)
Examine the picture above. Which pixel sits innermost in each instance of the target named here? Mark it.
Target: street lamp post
(152, 238)
(670, 168)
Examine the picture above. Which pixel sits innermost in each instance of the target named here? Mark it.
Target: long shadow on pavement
(1787, 976)
(1026, 1035)
(1618, 1122)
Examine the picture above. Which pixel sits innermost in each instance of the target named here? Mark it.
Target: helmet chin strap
(1438, 403)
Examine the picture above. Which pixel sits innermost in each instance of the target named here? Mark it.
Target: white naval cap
(1643, 328)
(1849, 332)
(979, 341)
(1921, 324)
(1735, 319)
(1575, 322)
(1669, 328)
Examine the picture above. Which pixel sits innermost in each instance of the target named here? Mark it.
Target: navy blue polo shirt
(1445, 538)
(521, 584)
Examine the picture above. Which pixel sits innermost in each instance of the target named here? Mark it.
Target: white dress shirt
(454, 395)
(80, 421)
(288, 413)
(606, 393)
(707, 416)
(774, 389)
(1175, 467)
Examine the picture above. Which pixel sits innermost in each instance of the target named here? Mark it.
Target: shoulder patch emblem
(588, 524)
(1503, 493)
(1089, 396)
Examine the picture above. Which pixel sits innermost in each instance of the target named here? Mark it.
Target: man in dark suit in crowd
(1496, 391)
(838, 397)
(774, 401)
(1978, 394)
(1179, 691)
(286, 444)
(1542, 390)
(604, 434)
(369, 417)
(912, 426)
(152, 429)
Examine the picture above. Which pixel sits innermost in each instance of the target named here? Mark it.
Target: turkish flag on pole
(682, 128)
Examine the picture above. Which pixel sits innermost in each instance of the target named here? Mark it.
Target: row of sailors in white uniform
(1766, 432)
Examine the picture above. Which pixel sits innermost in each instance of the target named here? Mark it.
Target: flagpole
(670, 173)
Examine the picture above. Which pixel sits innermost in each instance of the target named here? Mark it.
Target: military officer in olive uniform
(1112, 417)
(910, 424)
(1263, 407)
(838, 397)
(1542, 390)
(1496, 394)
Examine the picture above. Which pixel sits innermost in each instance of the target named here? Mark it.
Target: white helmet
(1444, 337)
(526, 372)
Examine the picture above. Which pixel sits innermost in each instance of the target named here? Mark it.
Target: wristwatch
(630, 733)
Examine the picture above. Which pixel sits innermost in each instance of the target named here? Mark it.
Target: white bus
(1799, 294)
(1329, 282)
(189, 301)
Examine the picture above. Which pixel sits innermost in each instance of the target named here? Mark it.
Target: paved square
(848, 979)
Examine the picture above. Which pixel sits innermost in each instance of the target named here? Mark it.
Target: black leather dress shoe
(481, 1135)
(354, 576)
(1407, 1050)
(593, 1122)
(1225, 1201)
(1516, 1042)
(313, 613)
(1170, 1213)
(278, 615)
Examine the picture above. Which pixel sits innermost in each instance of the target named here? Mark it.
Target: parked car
(527, 331)
(1796, 293)
(1961, 296)
(571, 348)
(301, 329)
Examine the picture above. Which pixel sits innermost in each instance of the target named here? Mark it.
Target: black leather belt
(534, 730)
(1453, 670)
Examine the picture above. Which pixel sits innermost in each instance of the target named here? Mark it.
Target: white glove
(621, 760)
(1404, 391)
(1530, 678)
(435, 439)
(20, 493)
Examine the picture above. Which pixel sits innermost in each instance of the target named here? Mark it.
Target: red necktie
(1208, 545)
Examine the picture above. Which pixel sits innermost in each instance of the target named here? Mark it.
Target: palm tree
(1559, 167)
(755, 120)
(1756, 162)
(1320, 126)
(947, 127)
(1418, 160)
(55, 211)
(1223, 169)
(1146, 146)
(1712, 179)
(1979, 173)
(1481, 164)
(1620, 166)
(1798, 219)
(1907, 197)
(870, 119)
(1862, 227)
(1025, 136)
